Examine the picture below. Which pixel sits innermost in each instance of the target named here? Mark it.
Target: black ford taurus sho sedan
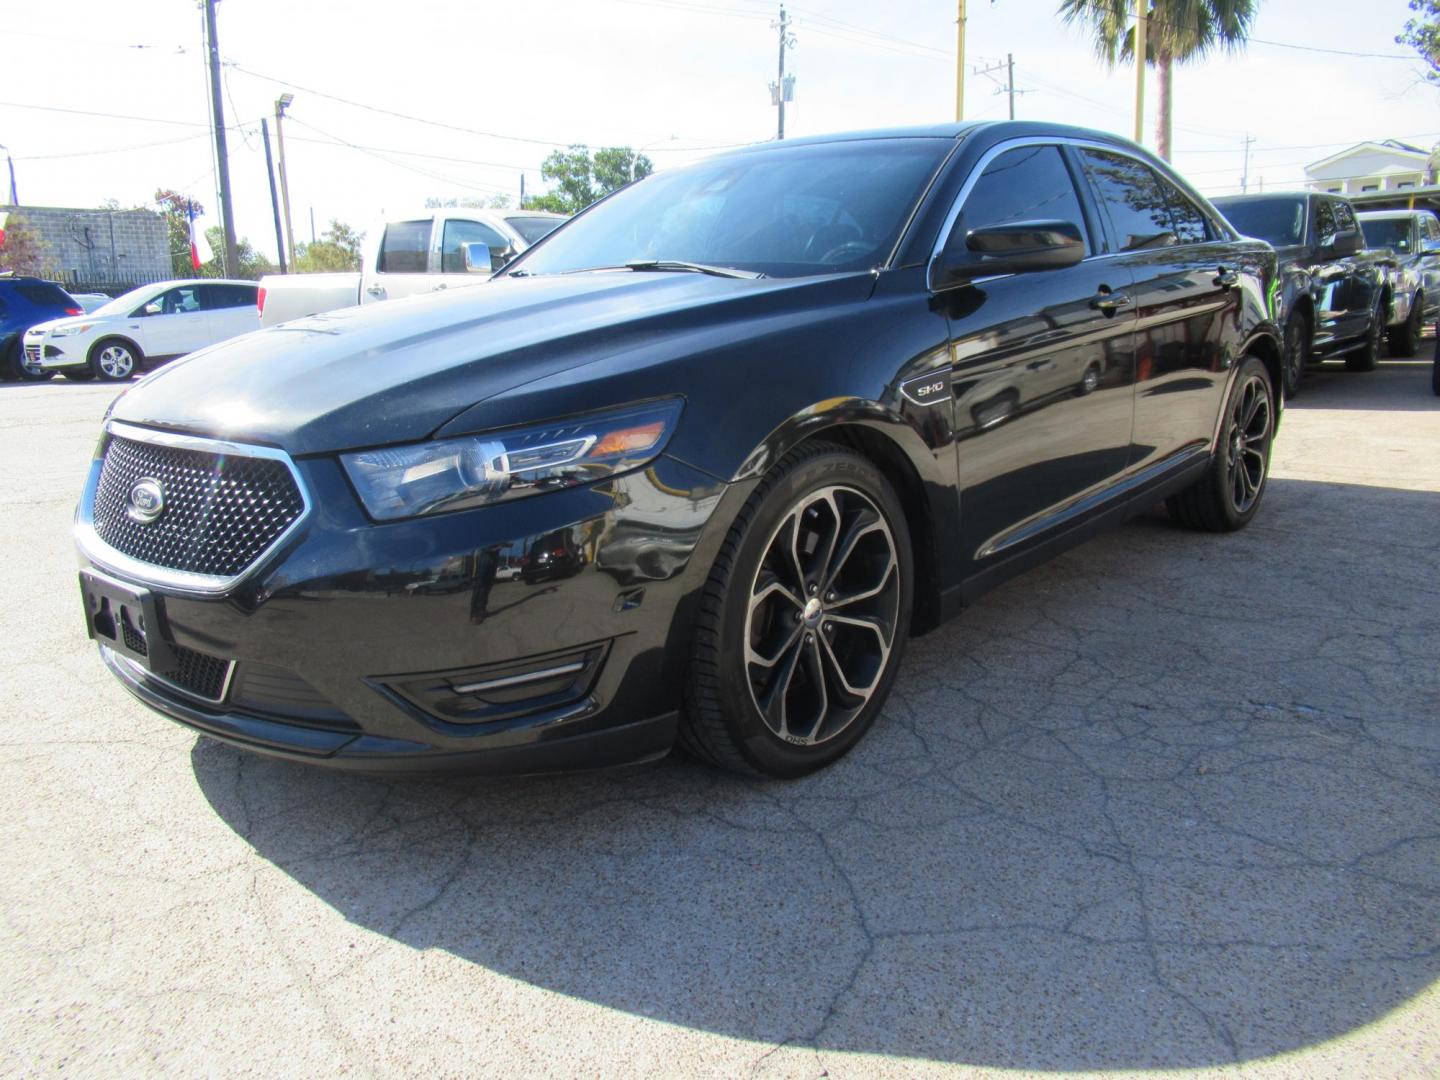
(692, 468)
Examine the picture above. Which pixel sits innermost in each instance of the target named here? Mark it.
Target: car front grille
(221, 511)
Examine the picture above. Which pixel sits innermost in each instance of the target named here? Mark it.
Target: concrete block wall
(95, 246)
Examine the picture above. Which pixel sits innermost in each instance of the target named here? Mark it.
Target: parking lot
(1170, 801)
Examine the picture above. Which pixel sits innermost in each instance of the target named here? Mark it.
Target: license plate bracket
(128, 620)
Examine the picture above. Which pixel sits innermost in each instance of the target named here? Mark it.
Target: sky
(110, 100)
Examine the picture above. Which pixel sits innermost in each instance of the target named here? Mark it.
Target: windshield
(1387, 233)
(783, 213)
(533, 227)
(126, 302)
(1279, 222)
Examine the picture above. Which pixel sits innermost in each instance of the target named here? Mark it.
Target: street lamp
(282, 103)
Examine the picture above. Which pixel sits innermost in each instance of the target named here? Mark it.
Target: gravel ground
(1170, 802)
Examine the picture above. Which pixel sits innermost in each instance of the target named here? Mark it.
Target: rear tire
(1227, 496)
(1404, 340)
(803, 621)
(1368, 355)
(17, 367)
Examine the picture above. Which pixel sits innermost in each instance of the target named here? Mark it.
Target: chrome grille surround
(182, 580)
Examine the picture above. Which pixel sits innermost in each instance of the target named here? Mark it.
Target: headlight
(66, 331)
(453, 474)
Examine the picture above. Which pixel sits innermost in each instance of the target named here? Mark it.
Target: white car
(145, 327)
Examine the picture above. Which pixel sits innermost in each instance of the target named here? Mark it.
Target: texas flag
(4, 214)
(200, 252)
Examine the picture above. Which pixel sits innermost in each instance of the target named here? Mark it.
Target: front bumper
(447, 642)
(54, 354)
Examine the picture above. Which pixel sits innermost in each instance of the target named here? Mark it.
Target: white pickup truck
(405, 256)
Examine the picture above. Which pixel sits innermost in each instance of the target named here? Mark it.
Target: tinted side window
(217, 297)
(1139, 210)
(1029, 183)
(458, 233)
(403, 249)
(1325, 226)
(1344, 216)
(1186, 219)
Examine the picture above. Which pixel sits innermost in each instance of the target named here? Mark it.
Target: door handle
(442, 285)
(1110, 302)
(376, 290)
(1227, 279)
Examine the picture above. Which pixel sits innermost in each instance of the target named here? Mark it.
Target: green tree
(24, 251)
(1422, 34)
(494, 202)
(579, 177)
(337, 249)
(1177, 32)
(252, 264)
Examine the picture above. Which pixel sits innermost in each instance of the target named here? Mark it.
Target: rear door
(231, 309)
(402, 262)
(1187, 305)
(1042, 369)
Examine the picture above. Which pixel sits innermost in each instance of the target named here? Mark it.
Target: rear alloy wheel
(1227, 496)
(113, 360)
(24, 368)
(1404, 340)
(1297, 354)
(803, 620)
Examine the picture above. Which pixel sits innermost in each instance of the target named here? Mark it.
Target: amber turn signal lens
(628, 439)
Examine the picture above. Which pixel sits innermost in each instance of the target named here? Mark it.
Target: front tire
(803, 620)
(1297, 353)
(1368, 355)
(113, 360)
(1229, 494)
(1404, 340)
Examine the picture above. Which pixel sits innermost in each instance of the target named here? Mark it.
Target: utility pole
(281, 104)
(960, 63)
(1140, 54)
(783, 89)
(1245, 175)
(14, 198)
(522, 191)
(312, 224)
(1010, 81)
(222, 160)
(274, 201)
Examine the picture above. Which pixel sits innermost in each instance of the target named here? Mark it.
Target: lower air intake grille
(200, 673)
(221, 511)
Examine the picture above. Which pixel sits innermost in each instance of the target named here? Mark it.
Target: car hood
(397, 371)
(68, 320)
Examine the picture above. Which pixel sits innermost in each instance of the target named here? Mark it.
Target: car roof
(1378, 215)
(998, 129)
(1257, 196)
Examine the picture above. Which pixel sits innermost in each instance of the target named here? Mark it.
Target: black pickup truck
(1332, 294)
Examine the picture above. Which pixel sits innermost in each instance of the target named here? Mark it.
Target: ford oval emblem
(147, 501)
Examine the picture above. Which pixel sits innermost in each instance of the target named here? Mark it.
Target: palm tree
(1177, 31)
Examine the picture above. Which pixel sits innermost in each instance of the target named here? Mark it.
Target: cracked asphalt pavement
(1169, 802)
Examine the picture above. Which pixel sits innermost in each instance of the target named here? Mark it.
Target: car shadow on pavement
(1396, 385)
(1171, 800)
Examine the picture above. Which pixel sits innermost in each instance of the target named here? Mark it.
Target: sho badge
(927, 389)
(147, 501)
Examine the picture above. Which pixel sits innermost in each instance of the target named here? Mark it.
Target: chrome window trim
(1058, 140)
(182, 581)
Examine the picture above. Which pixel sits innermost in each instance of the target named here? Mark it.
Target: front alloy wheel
(822, 615)
(803, 620)
(1249, 443)
(114, 361)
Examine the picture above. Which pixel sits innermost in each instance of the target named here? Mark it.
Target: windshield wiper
(691, 267)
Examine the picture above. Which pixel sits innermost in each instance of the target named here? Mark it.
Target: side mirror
(152, 308)
(483, 259)
(1018, 247)
(1430, 247)
(1345, 242)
